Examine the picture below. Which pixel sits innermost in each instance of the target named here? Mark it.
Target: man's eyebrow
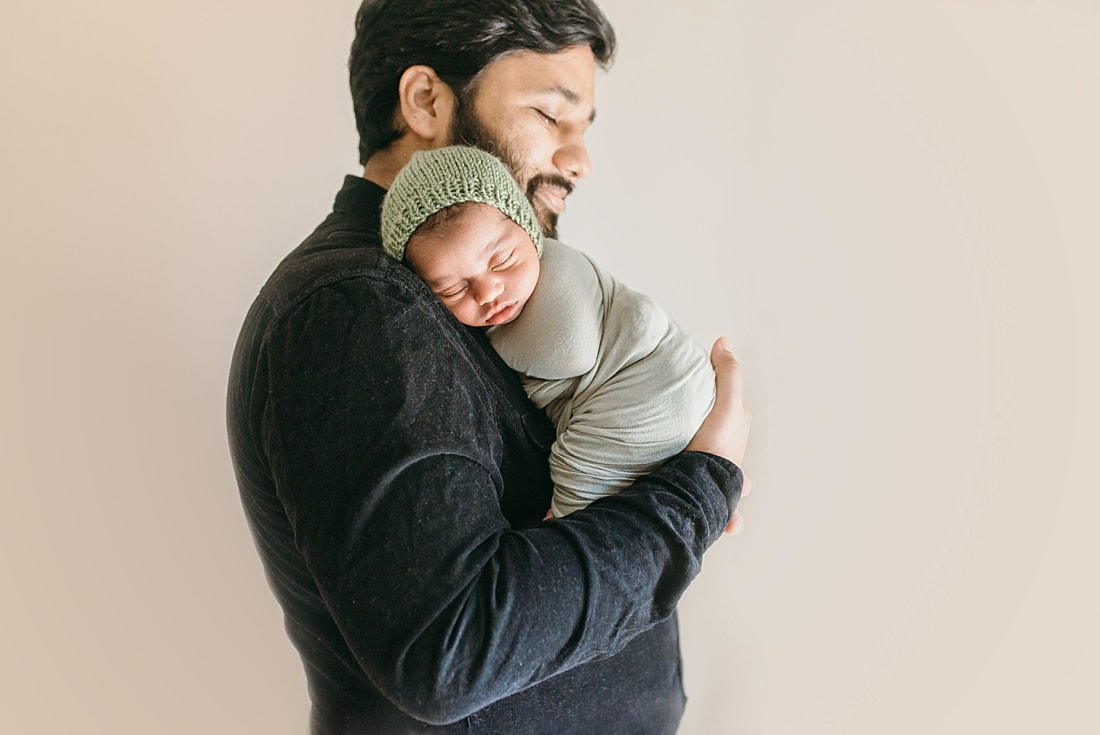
(566, 92)
(571, 97)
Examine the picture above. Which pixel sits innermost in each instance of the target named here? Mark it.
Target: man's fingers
(725, 430)
(728, 420)
(736, 524)
(727, 372)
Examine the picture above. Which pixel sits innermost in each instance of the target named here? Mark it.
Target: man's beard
(468, 130)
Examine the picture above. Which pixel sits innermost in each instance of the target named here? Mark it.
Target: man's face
(532, 111)
(481, 264)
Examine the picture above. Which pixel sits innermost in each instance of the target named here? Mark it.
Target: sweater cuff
(727, 476)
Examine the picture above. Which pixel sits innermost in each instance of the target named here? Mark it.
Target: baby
(625, 387)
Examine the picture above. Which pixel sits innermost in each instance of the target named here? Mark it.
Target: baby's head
(457, 217)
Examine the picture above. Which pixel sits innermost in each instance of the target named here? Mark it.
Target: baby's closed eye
(453, 292)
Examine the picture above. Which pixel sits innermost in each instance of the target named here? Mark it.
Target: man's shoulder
(342, 253)
(309, 269)
(338, 286)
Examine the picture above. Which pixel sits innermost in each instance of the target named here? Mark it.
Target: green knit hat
(436, 179)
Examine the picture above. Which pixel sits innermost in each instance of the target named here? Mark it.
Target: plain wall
(890, 207)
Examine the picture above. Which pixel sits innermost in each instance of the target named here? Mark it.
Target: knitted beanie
(436, 179)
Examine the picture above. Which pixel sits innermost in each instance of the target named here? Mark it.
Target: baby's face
(481, 265)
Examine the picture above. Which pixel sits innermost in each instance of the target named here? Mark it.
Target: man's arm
(386, 451)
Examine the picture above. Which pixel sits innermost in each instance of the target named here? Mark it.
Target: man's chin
(548, 221)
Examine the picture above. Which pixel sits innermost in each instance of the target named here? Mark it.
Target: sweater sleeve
(385, 449)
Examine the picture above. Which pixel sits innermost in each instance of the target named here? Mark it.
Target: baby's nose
(489, 290)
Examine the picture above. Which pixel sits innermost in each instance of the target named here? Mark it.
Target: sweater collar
(360, 198)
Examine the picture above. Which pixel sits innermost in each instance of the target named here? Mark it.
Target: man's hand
(725, 430)
(737, 522)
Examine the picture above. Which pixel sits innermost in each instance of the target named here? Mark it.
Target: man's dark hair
(458, 39)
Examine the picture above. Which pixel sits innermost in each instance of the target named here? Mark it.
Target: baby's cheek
(462, 312)
(533, 279)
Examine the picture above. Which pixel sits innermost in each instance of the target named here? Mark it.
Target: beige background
(890, 206)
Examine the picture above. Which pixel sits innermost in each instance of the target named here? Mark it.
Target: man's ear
(427, 105)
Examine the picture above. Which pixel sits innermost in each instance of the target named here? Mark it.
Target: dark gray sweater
(395, 476)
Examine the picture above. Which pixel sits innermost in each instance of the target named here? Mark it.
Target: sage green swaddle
(625, 386)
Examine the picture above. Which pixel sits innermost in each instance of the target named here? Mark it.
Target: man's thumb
(727, 372)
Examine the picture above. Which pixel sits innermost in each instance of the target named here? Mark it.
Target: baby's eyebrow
(440, 285)
(494, 244)
(438, 282)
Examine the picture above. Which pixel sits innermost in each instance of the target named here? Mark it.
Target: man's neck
(382, 167)
(380, 173)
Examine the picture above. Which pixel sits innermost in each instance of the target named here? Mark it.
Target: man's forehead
(569, 76)
(571, 73)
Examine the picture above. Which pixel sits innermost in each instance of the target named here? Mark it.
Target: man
(394, 473)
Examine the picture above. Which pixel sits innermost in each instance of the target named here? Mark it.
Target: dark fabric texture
(394, 476)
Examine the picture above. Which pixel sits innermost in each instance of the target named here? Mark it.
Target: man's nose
(572, 159)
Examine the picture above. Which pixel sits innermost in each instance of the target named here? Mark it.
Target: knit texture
(437, 179)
